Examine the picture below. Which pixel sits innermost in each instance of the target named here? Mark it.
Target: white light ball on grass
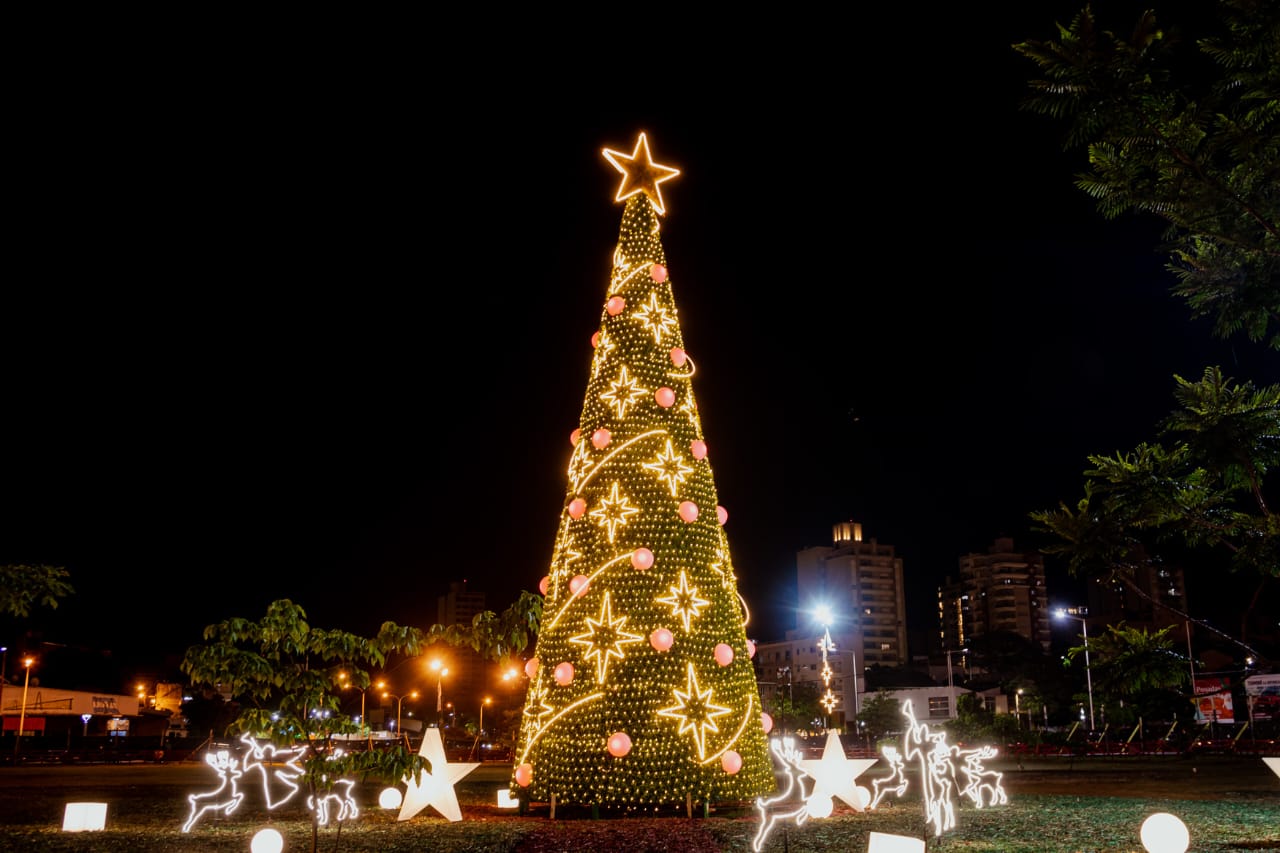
(1165, 833)
(390, 798)
(819, 805)
(267, 841)
(863, 796)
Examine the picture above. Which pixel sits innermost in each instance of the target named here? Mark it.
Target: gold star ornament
(640, 174)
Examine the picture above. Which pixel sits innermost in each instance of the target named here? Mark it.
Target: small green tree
(288, 676)
(23, 587)
(880, 715)
(1137, 673)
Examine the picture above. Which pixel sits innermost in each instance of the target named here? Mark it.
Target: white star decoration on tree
(670, 467)
(684, 601)
(436, 787)
(604, 638)
(614, 511)
(834, 773)
(653, 317)
(623, 393)
(695, 710)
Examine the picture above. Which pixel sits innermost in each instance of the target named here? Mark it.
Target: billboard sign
(1213, 701)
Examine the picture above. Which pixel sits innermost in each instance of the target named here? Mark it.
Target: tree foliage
(1201, 484)
(1187, 131)
(286, 678)
(22, 587)
(1137, 673)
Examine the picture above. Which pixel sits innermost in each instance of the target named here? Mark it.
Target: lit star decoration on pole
(436, 787)
(640, 174)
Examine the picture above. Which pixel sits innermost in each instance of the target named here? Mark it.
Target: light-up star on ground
(834, 773)
(604, 639)
(436, 787)
(695, 710)
(640, 173)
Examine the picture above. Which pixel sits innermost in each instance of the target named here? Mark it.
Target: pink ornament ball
(751, 648)
(615, 305)
(595, 339)
(722, 515)
(619, 744)
(564, 673)
(600, 439)
(678, 356)
(698, 448)
(531, 667)
(731, 761)
(658, 273)
(688, 511)
(766, 721)
(724, 654)
(542, 584)
(574, 436)
(524, 775)
(577, 508)
(578, 585)
(661, 639)
(642, 558)
(665, 396)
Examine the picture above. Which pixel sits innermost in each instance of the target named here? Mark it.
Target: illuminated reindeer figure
(345, 802)
(981, 779)
(228, 770)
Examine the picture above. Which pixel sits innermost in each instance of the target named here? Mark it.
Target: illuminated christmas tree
(642, 691)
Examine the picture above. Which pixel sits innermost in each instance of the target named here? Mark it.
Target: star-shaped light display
(623, 393)
(604, 346)
(684, 601)
(604, 639)
(614, 511)
(536, 708)
(640, 173)
(834, 773)
(695, 710)
(670, 467)
(654, 318)
(436, 787)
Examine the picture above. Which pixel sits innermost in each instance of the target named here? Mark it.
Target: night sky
(325, 337)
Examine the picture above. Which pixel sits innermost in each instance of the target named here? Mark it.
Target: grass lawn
(1054, 808)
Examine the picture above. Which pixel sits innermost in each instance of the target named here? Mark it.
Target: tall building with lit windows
(1001, 590)
(860, 582)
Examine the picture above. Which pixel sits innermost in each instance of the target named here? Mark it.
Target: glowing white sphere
(267, 841)
(390, 798)
(863, 796)
(1165, 833)
(819, 805)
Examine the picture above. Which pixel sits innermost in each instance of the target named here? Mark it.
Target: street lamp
(1073, 613)
(399, 703)
(346, 683)
(487, 701)
(441, 671)
(4, 671)
(22, 715)
(1017, 706)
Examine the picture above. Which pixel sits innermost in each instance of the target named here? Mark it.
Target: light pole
(950, 652)
(487, 701)
(1017, 706)
(346, 683)
(441, 671)
(1072, 613)
(4, 672)
(22, 715)
(786, 670)
(399, 704)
